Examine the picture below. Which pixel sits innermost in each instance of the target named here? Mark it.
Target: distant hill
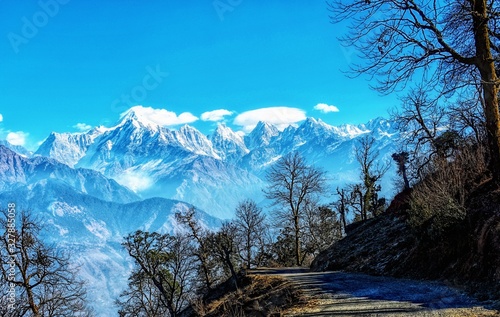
(88, 215)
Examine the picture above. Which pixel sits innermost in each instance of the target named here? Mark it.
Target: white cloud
(159, 117)
(82, 127)
(17, 138)
(323, 107)
(215, 115)
(1, 117)
(281, 117)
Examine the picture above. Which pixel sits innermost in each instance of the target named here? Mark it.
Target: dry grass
(470, 312)
(259, 296)
(440, 199)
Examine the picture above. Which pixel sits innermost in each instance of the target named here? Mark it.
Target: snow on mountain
(88, 215)
(350, 131)
(16, 170)
(194, 141)
(139, 118)
(68, 148)
(381, 127)
(16, 148)
(330, 148)
(92, 231)
(261, 135)
(227, 143)
(76, 181)
(215, 172)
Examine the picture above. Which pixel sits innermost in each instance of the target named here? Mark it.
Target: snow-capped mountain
(70, 147)
(91, 189)
(261, 135)
(214, 172)
(17, 148)
(87, 214)
(17, 171)
(228, 145)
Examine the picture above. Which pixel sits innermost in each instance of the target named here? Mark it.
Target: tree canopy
(449, 46)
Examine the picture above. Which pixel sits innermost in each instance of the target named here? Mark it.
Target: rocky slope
(466, 254)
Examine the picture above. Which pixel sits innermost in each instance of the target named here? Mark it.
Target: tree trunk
(172, 312)
(249, 251)
(405, 176)
(367, 200)
(486, 66)
(234, 277)
(297, 240)
(31, 301)
(342, 208)
(206, 273)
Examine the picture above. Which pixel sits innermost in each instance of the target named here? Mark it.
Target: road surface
(352, 294)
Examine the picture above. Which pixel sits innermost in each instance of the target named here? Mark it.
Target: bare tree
(371, 173)
(453, 45)
(356, 201)
(42, 277)
(342, 207)
(164, 261)
(202, 251)
(141, 298)
(466, 117)
(432, 131)
(440, 200)
(322, 228)
(283, 249)
(251, 230)
(425, 124)
(223, 246)
(292, 184)
(401, 159)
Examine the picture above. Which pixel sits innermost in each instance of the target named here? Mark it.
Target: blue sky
(70, 64)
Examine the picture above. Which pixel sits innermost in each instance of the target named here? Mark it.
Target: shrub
(438, 201)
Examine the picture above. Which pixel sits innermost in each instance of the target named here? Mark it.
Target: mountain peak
(266, 127)
(314, 126)
(263, 124)
(139, 117)
(381, 127)
(227, 142)
(16, 148)
(225, 132)
(311, 120)
(261, 135)
(187, 129)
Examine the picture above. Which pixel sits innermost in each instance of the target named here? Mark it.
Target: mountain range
(87, 214)
(91, 189)
(212, 172)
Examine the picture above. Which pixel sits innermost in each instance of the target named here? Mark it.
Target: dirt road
(350, 294)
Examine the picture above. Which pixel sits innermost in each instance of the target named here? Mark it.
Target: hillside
(466, 254)
(87, 214)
